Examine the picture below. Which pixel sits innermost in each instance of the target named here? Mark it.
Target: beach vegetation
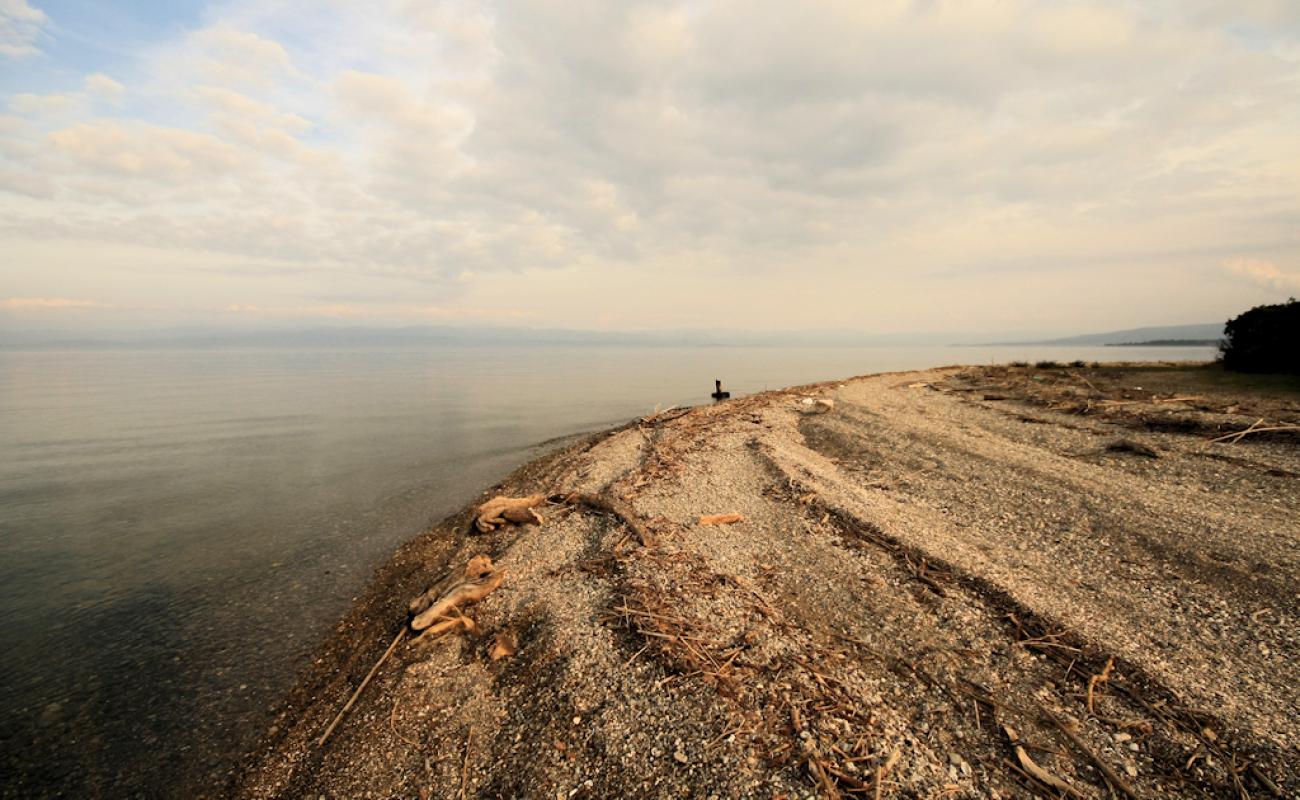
(1264, 340)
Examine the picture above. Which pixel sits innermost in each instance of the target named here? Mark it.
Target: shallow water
(179, 528)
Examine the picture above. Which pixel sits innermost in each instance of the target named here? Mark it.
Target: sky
(938, 165)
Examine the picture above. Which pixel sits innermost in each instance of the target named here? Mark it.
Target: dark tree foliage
(1264, 339)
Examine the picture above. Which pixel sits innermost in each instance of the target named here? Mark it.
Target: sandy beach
(965, 582)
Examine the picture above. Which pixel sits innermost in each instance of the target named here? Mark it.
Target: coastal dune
(965, 582)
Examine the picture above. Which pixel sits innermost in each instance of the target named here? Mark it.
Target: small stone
(1134, 747)
(577, 720)
(1131, 770)
(1122, 737)
(680, 757)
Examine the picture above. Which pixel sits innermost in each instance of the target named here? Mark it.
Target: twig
(1264, 780)
(1111, 775)
(464, 767)
(365, 682)
(815, 767)
(1239, 435)
(883, 769)
(1099, 678)
(1038, 773)
(392, 725)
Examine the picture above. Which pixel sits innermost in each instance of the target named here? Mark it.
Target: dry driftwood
(481, 579)
(501, 509)
(1039, 774)
(610, 505)
(721, 519)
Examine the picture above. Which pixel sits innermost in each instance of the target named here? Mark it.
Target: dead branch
(1098, 679)
(1111, 776)
(501, 509)
(481, 579)
(618, 508)
(364, 683)
(1038, 773)
(1239, 435)
(721, 519)
(464, 767)
(1264, 780)
(883, 770)
(446, 625)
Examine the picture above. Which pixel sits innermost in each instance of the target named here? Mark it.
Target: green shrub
(1078, 364)
(1019, 363)
(1264, 339)
(1047, 365)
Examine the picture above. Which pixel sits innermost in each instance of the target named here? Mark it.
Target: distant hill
(1169, 343)
(1206, 332)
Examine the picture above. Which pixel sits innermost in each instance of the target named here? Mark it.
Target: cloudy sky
(1045, 165)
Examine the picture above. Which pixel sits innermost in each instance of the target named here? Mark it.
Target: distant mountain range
(1209, 332)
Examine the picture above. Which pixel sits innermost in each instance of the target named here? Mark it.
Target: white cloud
(1264, 273)
(20, 28)
(41, 104)
(149, 152)
(228, 55)
(102, 85)
(45, 304)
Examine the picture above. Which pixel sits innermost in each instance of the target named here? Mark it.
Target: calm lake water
(179, 528)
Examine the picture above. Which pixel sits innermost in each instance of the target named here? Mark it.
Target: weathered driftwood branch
(1038, 773)
(618, 508)
(721, 519)
(481, 579)
(364, 683)
(501, 509)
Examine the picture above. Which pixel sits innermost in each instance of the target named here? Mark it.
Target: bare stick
(464, 767)
(882, 770)
(616, 507)
(1111, 775)
(1099, 678)
(1239, 435)
(365, 682)
(1030, 766)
